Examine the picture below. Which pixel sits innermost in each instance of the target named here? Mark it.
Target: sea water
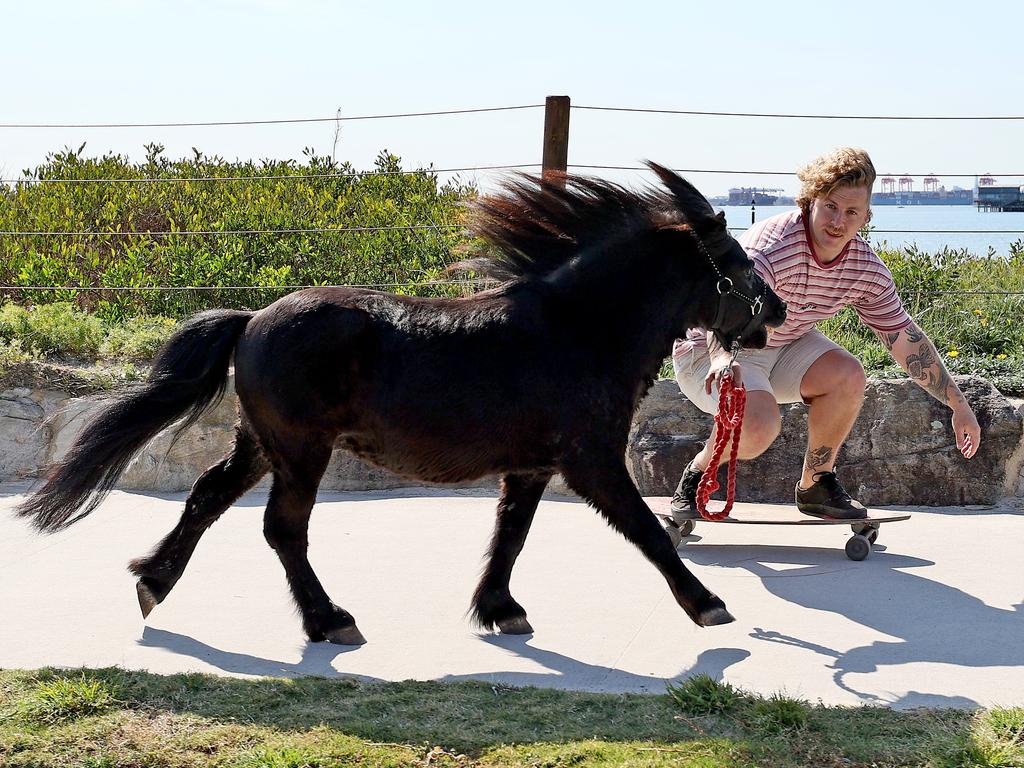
(963, 226)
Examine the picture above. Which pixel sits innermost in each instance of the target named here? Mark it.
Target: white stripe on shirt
(782, 256)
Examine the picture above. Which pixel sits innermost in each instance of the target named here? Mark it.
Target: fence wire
(278, 177)
(220, 123)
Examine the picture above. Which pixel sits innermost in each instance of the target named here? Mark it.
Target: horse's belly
(434, 462)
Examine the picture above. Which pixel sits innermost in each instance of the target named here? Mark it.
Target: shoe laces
(830, 482)
(691, 479)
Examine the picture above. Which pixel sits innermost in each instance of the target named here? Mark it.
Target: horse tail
(188, 376)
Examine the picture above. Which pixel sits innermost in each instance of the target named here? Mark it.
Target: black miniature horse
(539, 375)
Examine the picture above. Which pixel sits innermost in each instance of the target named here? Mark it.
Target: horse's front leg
(604, 482)
(492, 601)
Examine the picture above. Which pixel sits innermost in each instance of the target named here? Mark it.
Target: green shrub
(12, 353)
(136, 338)
(57, 328)
(13, 322)
(145, 249)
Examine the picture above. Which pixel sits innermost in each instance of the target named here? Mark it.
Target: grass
(113, 717)
(62, 699)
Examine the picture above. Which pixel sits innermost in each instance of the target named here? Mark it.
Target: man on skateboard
(816, 261)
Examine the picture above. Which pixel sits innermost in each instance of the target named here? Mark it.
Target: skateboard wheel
(687, 527)
(869, 531)
(858, 547)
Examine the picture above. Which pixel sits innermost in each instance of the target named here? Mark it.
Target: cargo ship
(755, 196)
(930, 197)
(933, 194)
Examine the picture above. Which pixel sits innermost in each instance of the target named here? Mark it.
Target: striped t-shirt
(784, 257)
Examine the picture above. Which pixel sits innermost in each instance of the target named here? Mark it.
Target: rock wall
(900, 452)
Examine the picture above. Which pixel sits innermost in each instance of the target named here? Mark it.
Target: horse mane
(534, 226)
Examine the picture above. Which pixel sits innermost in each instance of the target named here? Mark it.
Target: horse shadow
(566, 672)
(316, 659)
(933, 622)
(562, 671)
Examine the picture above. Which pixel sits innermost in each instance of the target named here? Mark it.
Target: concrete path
(935, 619)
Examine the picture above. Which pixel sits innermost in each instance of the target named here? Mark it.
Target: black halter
(726, 288)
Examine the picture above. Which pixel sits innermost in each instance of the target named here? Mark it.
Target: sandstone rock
(22, 434)
(901, 450)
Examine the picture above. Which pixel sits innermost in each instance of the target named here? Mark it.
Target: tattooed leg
(833, 389)
(819, 459)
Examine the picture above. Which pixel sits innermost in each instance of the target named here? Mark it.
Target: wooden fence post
(556, 136)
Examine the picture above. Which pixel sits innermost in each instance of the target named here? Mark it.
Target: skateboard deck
(865, 529)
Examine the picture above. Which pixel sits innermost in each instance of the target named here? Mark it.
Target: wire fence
(100, 234)
(465, 169)
(235, 123)
(272, 177)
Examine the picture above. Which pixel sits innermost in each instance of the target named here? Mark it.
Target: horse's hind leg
(604, 482)
(215, 490)
(492, 601)
(286, 528)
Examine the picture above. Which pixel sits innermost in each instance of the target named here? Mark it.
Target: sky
(146, 61)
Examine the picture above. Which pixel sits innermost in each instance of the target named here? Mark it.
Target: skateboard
(858, 546)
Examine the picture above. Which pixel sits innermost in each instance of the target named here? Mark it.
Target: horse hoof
(147, 600)
(345, 636)
(515, 626)
(715, 616)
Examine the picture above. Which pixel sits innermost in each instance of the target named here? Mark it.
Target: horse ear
(691, 202)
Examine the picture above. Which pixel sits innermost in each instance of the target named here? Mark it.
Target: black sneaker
(684, 500)
(827, 498)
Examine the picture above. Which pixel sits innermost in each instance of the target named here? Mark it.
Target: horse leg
(215, 490)
(492, 601)
(604, 482)
(286, 528)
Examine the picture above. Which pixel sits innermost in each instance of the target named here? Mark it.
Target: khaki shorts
(779, 370)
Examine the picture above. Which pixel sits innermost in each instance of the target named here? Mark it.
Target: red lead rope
(729, 419)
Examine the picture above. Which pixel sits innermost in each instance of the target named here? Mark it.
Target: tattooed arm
(916, 354)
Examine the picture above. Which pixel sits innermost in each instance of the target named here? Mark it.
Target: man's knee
(761, 424)
(835, 372)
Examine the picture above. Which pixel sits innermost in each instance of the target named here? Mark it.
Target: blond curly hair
(846, 166)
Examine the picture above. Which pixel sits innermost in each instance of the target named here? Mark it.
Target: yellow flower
(953, 353)
(1000, 357)
(983, 321)
(977, 311)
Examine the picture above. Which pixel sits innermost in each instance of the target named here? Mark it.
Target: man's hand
(719, 367)
(966, 430)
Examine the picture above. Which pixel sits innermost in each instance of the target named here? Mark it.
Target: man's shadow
(561, 671)
(935, 622)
